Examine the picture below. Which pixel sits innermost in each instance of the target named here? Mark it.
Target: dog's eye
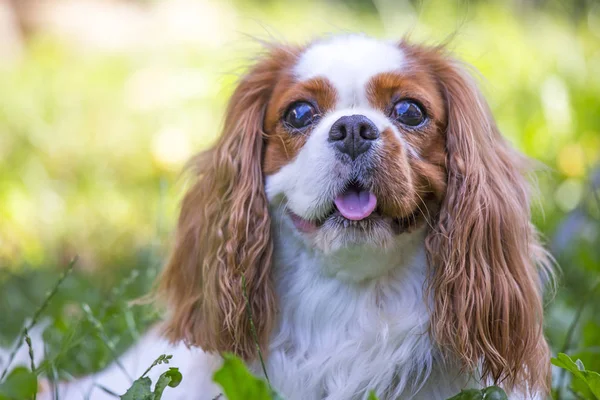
(300, 115)
(408, 112)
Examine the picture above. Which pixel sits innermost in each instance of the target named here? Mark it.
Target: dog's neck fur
(354, 321)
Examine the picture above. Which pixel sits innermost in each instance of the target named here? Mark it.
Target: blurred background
(103, 101)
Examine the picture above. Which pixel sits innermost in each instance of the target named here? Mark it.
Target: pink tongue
(356, 205)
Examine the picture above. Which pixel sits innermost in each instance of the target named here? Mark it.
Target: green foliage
(488, 393)
(372, 396)
(586, 383)
(493, 393)
(19, 384)
(73, 344)
(239, 384)
(162, 359)
(34, 320)
(141, 389)
(172, 378)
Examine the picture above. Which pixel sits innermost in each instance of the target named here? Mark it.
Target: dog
(364, 222)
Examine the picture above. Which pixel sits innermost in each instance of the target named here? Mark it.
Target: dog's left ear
(223, 236)
(484, 251)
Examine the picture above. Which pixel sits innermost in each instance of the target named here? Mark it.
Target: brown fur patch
(283, 145)
(406, 184)
(223, 234)
(393, 183)
(484, 252)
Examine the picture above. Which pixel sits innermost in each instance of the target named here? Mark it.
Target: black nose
(353, 134)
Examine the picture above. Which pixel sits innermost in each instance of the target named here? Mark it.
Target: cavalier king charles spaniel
(363, 209)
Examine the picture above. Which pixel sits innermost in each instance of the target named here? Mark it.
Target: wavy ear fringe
(484, 252)
(223, 232)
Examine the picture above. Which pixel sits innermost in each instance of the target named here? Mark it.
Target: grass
(83, 336)
(34, 320)
(82, 314)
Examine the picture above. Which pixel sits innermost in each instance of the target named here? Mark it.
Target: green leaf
(19, 384)
(372, 396)
(590, 378)
(565, 362)
(175, 376)
(468, 394)
(494, 393)
(162, 359)
(139, 390)
(171, 378)
(581, 387)
(593, 381)
(238, 383)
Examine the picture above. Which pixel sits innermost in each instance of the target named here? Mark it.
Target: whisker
(283, 205)
(428, 216)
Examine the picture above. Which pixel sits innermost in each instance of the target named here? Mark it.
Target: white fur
(348, 62)
(338, 338)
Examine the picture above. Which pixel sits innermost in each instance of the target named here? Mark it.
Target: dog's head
(355, 148)
(356, 142)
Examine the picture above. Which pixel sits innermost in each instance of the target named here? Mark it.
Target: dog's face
(355, 142)
(355, 147)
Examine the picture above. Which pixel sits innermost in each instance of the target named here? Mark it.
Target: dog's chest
(339, 341)
(348, 360)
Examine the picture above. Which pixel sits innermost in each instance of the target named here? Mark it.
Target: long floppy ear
(484, 251)
(223, 233)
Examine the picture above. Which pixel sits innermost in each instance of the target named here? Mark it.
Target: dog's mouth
(355, 203)
(354, 208)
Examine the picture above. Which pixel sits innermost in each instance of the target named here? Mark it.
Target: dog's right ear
(483, 250)
(223, 234)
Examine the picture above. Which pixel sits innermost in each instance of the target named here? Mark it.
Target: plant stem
(107, 341)
(31, 356)
(570, 332)
(163, 358)
(253, 329)
(37, 315)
